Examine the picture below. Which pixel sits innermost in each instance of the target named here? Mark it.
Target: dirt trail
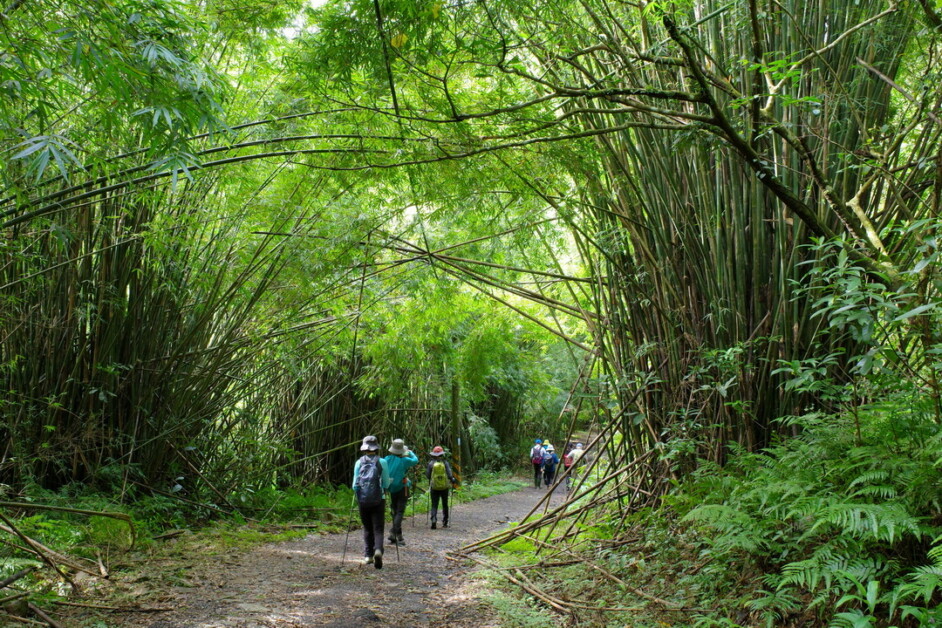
(303, 583)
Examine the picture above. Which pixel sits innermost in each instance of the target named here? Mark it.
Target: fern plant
(838, 525)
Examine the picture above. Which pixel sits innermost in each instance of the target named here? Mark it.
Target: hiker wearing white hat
(399, 461)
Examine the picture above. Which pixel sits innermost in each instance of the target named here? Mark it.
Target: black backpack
(369, 482)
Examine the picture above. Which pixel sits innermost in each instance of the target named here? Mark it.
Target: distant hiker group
(374, 477)
(545, 462)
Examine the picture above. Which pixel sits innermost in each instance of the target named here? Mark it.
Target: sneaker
(434, 525)
(378, 559)
(368, 560)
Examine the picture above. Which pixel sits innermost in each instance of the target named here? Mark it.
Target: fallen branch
(46, 618)
(119, 609)
(91, 513)
(13, 598)
(24, 620)
(566, 605)
(19, 574)
(35, 547)
(169, 535)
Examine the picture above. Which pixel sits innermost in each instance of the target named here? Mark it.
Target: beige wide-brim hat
(370, 443)
(398, 447)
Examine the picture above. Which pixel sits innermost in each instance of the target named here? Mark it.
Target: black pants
(397, 506)
(549, 474)
(373, 519)
(443, 496)
(537, 473)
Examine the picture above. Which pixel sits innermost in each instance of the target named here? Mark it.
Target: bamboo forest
(647, 294)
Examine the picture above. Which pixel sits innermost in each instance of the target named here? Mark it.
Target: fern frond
(874, 475)
(880, 491)
(879, 522)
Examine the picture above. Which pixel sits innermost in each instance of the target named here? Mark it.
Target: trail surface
(304, 582)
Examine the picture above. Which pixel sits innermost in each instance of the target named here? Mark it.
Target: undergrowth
(839, 529)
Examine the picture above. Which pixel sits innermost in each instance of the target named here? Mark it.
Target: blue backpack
(369, 488)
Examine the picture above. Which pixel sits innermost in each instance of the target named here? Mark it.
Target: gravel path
(304, 583)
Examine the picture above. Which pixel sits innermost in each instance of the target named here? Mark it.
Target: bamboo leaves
(40, 150)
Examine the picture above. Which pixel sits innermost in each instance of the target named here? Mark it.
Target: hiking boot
(378, 559)
(368, 560)
(445, 524)
(434, 525)
(400, 541)
(392, 540)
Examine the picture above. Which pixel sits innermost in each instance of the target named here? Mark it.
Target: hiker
(550, 460)
(399, 461)
(370, 482)
(570, 460)
(536, 459)
(440, 480)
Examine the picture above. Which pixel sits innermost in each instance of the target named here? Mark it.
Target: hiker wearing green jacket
(399, 461)
(440, 480)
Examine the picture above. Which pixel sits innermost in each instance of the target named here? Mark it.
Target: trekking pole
(346, 537)
(454, 502)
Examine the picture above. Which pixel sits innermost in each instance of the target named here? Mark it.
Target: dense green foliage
(237, 238)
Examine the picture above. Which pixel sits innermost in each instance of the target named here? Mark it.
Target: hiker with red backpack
(399, 461)
(370, 483)
(536, 459)
(440, 480)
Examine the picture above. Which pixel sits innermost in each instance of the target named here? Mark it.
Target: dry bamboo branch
(38, 549)
(91, 513)
(118, 609)
(14, 597)
(22, 573)
(46, 618)
(24, 620)
(30, 550)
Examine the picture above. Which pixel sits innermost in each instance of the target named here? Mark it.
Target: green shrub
(841, 525)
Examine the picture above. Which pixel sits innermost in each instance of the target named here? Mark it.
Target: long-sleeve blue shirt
(398, 466)
(384, 480)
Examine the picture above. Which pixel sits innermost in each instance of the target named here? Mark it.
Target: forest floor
(309, 582)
